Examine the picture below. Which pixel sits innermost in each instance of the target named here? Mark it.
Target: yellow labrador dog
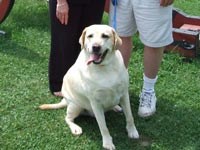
(97, 82)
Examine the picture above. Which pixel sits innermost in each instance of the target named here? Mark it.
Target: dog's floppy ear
(116, 39)
(82, 38)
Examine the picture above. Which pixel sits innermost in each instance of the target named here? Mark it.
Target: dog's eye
(90, 36)
(105, 36)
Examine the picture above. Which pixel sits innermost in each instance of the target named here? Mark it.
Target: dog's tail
(61, 104)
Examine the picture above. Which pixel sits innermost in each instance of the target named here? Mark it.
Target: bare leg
(126, 49)
(152, 61)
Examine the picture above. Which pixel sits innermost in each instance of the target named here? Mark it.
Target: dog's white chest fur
(101, 84)
(98, 81)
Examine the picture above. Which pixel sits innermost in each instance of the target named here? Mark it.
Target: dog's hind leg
(73, 111)
(117, 108)
(61, 104)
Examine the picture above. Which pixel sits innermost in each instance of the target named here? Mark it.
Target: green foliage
(190, 7)
(24, 53)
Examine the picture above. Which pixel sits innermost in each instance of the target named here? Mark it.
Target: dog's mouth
(97, 58)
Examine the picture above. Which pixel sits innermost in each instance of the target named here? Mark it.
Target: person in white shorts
(153, 20)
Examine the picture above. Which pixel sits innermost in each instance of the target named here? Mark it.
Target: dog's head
(99, 41)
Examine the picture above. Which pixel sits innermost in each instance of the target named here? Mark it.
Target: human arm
(165, 3)
(62, 11)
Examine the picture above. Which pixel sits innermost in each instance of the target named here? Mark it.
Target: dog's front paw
(132, 132)
(108, 144)
(75, 129)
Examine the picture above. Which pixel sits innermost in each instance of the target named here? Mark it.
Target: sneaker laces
(146, 99)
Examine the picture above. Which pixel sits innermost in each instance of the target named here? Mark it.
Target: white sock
(148, 83)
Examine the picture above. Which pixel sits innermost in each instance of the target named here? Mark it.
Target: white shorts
(153, 21)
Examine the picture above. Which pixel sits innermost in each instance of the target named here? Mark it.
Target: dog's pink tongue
(92, 58)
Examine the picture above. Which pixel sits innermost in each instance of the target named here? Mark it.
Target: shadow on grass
(35, 16)
(12, 48)
(23, 27)
(172, 127)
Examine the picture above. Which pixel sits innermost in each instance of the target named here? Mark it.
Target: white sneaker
(147, 105)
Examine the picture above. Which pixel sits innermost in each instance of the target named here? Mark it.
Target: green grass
(24, 53)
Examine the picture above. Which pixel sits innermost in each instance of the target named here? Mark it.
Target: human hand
(62, 10)
(165, 3)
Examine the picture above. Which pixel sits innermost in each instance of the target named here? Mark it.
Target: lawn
(24, 52)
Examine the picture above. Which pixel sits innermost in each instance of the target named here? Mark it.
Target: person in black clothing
(68, 19)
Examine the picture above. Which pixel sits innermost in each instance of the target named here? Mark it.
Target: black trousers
(65, 45)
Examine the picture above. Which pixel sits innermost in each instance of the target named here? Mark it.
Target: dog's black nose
(96, 48)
